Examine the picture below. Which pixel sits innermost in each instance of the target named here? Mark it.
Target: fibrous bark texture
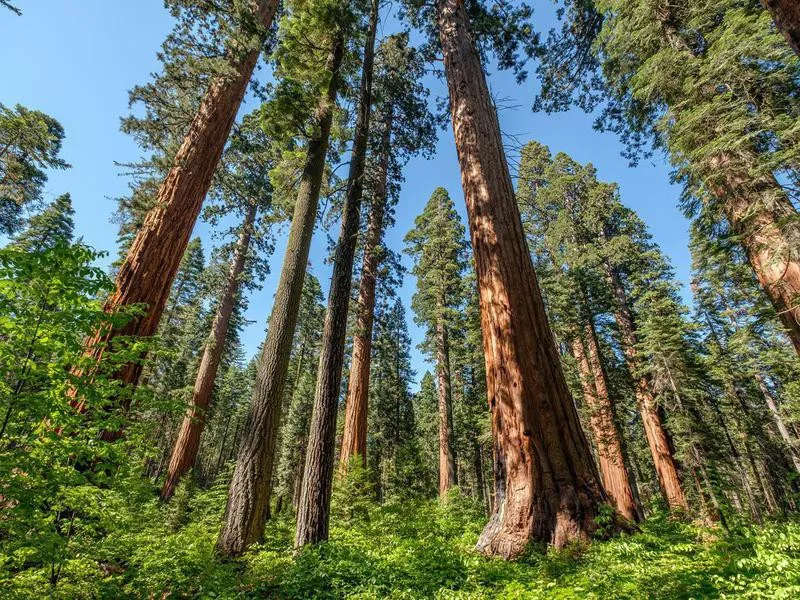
(547, 487)
(786, 14)
(154, 257)
(184, 453)
(354, 437)
(608, 440)
(765, 223)
(657, 438)
(248, 496)
(314, 510)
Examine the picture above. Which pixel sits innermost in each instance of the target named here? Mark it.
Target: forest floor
(411, 549)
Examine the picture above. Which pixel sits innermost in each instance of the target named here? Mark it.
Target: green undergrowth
(408, 549)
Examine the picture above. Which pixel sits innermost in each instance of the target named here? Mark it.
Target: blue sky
(76, 61)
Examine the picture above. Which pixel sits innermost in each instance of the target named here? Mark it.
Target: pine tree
(30, 142)
(438, 245)
(313, 514)
(690, 77)
(52, 225)
(248, 498)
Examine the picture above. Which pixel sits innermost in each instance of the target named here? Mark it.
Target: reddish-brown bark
(786, 14)
(354, 437)
(248, 496)
(447, 458)
(187, 444)
(761, 215)
(313, 512)
(608, 440)
(657, 438)
(546, 485)
(146, 275)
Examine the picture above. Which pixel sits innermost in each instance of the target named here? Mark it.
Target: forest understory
(517, 395)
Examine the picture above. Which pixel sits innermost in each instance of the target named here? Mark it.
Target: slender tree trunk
(775, 411)
(607, 437)
(657, 437)
(184, 453)
(146, 275)
(447, 458)
(547, 487)
(314, 512)
(248, 497)
(786, 14)
(354, 437)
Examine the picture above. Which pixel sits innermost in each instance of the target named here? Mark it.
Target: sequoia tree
(786, 14)
(546, 485)
(146, 274)
(405, 128)
(438, 245)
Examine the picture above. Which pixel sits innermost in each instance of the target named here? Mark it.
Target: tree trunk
(248, 497)
(775, 411)
(761, 215)
(354, 438)
(187, 445)
(657, 437)
(154, 257)
(547, 487)
(314, 510)
(606, 434)
(786, 14)
(447, 459)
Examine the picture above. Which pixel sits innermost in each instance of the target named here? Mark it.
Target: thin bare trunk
(184, 453)
(314, 511)
(354, 437)
(248, 497)
(547, 487)
(149, 269)
(775, 411)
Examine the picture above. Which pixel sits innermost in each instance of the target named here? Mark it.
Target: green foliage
(30, 142)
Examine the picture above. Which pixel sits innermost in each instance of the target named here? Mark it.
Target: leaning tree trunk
(184, 453)
(775, 411)
(786, 14)
(547, 487)
(657, 437)
(765, 223)
(154, 257)
(314, 511)
(607, 437)
(248, 497)
(354, 437)
(447, 458)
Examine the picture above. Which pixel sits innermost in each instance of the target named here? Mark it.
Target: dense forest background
(336, 350)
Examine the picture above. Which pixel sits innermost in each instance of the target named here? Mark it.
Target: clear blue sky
(76, 61)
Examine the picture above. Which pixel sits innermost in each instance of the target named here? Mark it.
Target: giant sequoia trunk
(765, 223)
(786, 14)
(314, 510)
(154, 257)
(184, 453)
(546, 485)
(657, 438)
(447, 457)
(607, 437)
(248, 497)
(354, 438)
